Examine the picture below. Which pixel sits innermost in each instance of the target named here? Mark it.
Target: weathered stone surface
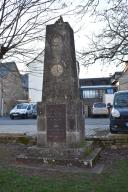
(56, 123)
(61, 125)
(85, 156)
(60, 118)
(60, 80)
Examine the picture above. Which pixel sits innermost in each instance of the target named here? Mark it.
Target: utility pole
(2, 99)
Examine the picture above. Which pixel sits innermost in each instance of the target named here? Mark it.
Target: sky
(83, 28)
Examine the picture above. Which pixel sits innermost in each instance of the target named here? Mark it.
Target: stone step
(91, 159)
(88, 161)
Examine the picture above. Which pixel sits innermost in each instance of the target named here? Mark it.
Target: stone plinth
(84, 156)
(60, 124)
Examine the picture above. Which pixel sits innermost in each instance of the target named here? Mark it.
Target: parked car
(119, 113)
(99, 109)
(23, 110)
(34, 111)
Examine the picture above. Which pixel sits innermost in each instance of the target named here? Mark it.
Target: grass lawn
(115, 179)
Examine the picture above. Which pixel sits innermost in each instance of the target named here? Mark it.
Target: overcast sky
(83, 28)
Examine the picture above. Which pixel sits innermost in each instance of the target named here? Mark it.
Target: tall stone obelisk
(60, 118)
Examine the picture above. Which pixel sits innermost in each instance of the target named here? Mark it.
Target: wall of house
(12, 90)
(24, 80)
(123, 80)
(35, 79)
(35, 87)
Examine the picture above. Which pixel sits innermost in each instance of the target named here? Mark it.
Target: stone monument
(60, 114)
(60, 119)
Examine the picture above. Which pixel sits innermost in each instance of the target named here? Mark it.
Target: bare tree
(22, 25)
(111, 43)
(22, 28)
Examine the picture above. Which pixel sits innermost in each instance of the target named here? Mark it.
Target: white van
(23, 110)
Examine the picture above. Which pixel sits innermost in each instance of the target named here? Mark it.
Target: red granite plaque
(56, 122)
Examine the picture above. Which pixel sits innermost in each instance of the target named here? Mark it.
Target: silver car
(99, 109)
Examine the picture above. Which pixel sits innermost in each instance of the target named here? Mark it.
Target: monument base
(81, 157)
(60, 124)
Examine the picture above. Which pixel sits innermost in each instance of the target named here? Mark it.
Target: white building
(35, 79)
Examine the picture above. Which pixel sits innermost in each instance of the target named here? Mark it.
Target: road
(25, 126)
(96, 127)
(93, 126)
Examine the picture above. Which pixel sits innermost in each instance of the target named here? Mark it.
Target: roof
(6, 68)
(95, 81)
(97, 86)
(10, 68)
(95, 78)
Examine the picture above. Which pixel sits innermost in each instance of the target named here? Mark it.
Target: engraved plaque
(56, 122)
(57, 70)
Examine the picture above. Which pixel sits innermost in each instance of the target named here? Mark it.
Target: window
(22, 106)
(93, 93)
(121, 100)
(109, 91)
(89, 93)
(29, 107)
(96, 91)
(99, 105)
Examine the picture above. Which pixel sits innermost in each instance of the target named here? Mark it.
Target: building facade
(24, 80)
(11, 88)
(94, 90)
(123, 80)
(35, 79)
